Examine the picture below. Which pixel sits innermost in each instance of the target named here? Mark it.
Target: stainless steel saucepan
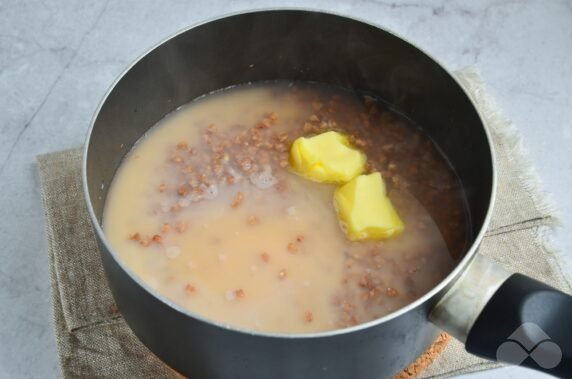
(479, 303)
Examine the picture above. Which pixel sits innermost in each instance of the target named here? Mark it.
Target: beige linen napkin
(94, 341)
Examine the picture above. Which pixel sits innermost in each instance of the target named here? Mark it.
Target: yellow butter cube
(326, 158)
(365, 211)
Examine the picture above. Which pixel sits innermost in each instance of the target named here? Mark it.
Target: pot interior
(300, 46)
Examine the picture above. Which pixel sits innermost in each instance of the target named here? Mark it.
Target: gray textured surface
(58, 57)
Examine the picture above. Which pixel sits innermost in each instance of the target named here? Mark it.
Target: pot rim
(456, 272)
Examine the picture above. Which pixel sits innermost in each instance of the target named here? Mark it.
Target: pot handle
(509, 318)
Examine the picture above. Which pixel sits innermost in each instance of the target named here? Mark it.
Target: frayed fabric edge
(507, 132)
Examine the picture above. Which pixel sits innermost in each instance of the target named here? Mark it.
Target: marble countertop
(58, 57)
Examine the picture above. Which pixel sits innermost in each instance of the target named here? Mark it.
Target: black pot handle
(526, 323)
(509, 318)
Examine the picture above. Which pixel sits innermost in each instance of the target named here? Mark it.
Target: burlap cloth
(94, 341)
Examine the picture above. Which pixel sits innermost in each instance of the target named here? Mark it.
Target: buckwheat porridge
(207, 210)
